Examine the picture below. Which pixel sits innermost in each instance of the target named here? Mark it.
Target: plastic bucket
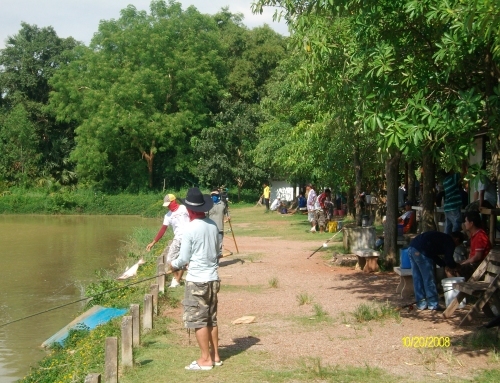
(449, 292)
(332, 226)
(404, 258)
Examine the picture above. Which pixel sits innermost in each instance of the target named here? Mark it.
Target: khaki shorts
(173, 250)
(200, 304)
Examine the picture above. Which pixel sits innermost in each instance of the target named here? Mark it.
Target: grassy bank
(165, 350)
(82, 201)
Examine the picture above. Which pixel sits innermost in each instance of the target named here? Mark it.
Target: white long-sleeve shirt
(200, 248)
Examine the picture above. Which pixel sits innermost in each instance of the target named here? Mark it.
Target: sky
(80, 18)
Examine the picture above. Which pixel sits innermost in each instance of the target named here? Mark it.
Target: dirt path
(289, 332)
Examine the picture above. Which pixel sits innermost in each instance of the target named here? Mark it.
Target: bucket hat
(196, 201)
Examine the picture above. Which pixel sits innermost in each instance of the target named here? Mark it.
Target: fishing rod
(79, 300)
(324, 244)
(91, 297)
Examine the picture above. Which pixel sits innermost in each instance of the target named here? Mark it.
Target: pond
(46, 261)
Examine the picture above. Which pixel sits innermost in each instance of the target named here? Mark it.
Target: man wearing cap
(216, 213)
(200, 249)
(178, 218)
(408, 218)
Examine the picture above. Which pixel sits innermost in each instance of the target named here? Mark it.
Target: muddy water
(45, 261)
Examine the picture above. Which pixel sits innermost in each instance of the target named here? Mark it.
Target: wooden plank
(471, 288)
(454, 305)
(480, 270)
(482, 301)
(493, 268)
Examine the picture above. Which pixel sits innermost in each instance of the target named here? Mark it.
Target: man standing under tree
(200, 249)
(267, 195)
(311, 207)
(217, 213)
(178, 218)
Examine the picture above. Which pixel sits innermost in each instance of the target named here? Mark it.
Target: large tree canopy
(27, 63)
(147, 84)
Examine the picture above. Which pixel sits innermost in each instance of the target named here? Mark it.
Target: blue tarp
(92, 318)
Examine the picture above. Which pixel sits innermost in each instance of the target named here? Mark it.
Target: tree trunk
(351, 209)
(411, 182)
(429, 192)
(149, 157)
(391, 229)
(358, 175)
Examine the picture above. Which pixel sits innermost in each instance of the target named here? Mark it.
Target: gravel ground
(283, 329)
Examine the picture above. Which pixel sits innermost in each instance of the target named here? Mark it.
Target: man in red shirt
(480, 244)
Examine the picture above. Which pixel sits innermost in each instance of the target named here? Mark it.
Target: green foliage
(33, 145)
(375, 311)
(225, 151)
(64, 201)
(18, 145)
(144, 87)
(87, 354)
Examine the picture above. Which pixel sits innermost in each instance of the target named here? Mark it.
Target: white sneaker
(174, 283)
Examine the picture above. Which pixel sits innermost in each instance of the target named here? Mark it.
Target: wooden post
(161, 277)
(93, 378)
(147, 321)
(154, 292)
(136, 325)
(126, 339)
(111, 360)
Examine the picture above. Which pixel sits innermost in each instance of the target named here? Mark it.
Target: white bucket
(449, 292)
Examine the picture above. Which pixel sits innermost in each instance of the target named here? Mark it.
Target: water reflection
(46, 261)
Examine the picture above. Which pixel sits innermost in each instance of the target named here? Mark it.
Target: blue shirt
(435, 243)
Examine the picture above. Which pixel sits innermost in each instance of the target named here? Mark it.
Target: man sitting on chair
(407, 219)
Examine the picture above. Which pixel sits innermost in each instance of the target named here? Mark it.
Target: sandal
(194, 366)
(219, 363)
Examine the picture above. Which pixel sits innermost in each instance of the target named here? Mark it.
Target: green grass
(304, 299)
(273, 282)
(366, 312)
(255, 289)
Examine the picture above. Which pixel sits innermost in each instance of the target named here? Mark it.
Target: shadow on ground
(239, 345)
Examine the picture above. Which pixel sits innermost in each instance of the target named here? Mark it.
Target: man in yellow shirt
(267, 196)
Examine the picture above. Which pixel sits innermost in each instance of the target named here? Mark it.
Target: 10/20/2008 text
(426, 341)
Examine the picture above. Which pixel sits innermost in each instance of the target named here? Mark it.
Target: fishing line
(79, 300)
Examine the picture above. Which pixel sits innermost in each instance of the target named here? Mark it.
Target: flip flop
(219, 363)
(194, 366)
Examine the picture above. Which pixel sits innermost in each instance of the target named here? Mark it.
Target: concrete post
(154, 292)
(147, 321)
(126, 339)
(111, 360)
(160, 280)
(93, 378)
(136, 325)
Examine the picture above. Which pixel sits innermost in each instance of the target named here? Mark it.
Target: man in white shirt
(178, 218)
(200, 249)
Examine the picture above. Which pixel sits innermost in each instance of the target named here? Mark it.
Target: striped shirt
(452, 198)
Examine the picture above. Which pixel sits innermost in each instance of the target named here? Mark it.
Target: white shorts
(311, 216)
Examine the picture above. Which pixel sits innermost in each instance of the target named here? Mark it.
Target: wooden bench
(367, 260)
(486, 290)
(405, 286)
